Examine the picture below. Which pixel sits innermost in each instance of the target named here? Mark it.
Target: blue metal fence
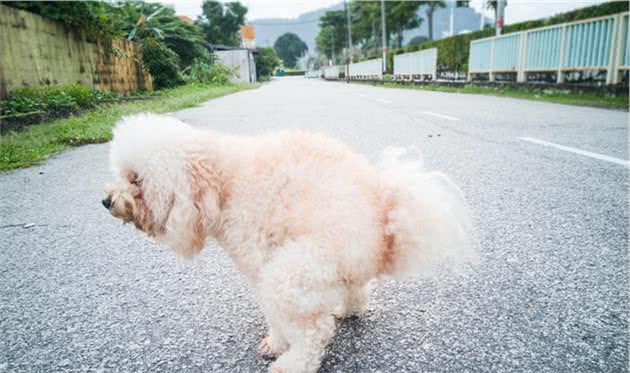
(422, 63)
(506, 52)
(543, 51)
(598, 44)
(480, 55)
(370, 69)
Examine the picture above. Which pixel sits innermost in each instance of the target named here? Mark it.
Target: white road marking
(440, 115)
(578, 151)
(383, 101)
(362, 95)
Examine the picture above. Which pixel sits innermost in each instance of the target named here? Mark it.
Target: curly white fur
(308, 221)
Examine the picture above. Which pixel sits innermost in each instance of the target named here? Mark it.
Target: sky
(516, 11)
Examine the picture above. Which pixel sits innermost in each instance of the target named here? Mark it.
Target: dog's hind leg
(357, 299)
(299, 290)
(355, 302)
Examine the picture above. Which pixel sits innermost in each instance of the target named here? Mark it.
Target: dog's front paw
(270, 349)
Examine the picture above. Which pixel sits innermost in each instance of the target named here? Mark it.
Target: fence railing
(370, 69)
(332, 72)
(422, 64)
(596, 44)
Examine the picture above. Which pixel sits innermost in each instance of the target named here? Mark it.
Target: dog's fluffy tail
(427, 222)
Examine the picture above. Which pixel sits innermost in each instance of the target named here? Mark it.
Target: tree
(266, 62)
(290, 47)
(327, 44)
(401, 16)
(432, 6)
(139, 21)
(333, 35)
(221, 22)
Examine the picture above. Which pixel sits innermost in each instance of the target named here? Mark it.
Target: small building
(240, 58)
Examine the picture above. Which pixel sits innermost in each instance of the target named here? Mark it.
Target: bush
(294, 72)
(203, 72)
(267, 61)
(162, 63)
(52, 99)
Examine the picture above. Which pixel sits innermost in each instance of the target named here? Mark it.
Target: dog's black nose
(107, 202)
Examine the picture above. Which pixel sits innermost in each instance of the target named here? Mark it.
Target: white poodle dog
(308, 221)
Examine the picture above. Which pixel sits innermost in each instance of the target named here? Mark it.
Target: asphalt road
(81, 292)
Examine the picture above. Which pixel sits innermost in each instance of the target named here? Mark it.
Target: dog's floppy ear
(193, 211)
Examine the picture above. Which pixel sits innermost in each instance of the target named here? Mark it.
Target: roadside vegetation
(403, 15)
(550, 94)
(40, 121)
(33, 144)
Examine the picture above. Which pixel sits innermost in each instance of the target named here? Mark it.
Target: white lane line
(440, 115)
(383, 100)
(578, 151)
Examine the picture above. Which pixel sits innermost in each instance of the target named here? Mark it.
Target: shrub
(203, 72)
(90, 16)
(162, 63)
(52, 99)
(294, 72)
(266, 62)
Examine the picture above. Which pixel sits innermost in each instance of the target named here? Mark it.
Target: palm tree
(432, 6)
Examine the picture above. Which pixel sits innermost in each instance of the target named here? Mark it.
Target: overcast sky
(516, 11)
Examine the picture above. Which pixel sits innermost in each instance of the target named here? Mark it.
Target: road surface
(81, 292)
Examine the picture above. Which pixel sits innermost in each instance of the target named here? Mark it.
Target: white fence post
(611, 73)
(563, 33)
(522, 58)
(621, 46)
(490, 73)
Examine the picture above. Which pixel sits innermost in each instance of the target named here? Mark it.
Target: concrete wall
(242, 60)
(37, 51)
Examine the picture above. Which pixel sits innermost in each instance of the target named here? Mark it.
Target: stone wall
(37, 51)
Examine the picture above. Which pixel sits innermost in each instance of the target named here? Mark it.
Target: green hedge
(453, 51)
(294, 72)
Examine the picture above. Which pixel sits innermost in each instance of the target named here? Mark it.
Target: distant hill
(306, 26)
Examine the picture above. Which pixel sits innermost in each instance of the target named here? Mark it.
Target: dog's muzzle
(107, 202)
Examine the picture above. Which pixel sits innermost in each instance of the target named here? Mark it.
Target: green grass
(549, 95)
(35, 143)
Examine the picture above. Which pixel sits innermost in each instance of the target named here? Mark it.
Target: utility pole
(349, 54)
(383, 37)
(500, 16)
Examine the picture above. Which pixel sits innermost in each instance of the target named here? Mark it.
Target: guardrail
(421, 64)
(370, 69)
(596, 44)
(332, 72)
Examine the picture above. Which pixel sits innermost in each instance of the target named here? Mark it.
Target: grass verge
(548, 94)
(33, 144)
